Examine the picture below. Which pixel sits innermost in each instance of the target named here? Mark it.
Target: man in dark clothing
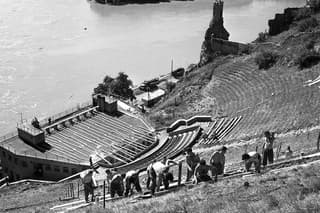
(268, 148)
(191, 160)
(116, 183)
(201, 172)
(88, 183)
(217, 161)
(132, 179)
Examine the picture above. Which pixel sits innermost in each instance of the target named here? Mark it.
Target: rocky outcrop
(215, 30)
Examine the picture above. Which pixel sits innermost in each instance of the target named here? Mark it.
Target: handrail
(66, 112)
(66, 119)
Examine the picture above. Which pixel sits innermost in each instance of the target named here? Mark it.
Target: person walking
(88, 183)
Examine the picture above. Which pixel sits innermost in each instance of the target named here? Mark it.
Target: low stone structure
(224, 47)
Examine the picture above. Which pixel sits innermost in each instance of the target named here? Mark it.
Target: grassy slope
(287, 190)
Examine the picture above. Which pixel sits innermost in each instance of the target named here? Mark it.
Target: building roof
(147, 96)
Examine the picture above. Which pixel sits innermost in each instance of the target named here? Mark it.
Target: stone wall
(224, 47)
(282, 21)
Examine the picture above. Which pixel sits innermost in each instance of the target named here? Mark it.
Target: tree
(119, 86)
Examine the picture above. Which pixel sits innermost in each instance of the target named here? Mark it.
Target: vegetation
(307, 58)
(119, 86)
(262, 37)
(308, 24)
(303, 13)
(266, 59)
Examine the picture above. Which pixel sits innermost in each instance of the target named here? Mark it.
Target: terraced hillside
(276, 99)
(266, 99)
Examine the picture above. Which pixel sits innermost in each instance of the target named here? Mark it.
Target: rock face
(215, 30)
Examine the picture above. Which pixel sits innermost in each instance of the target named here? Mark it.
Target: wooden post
(78, 189)
(72, 191)
(104, 194)
(179, 173)
(318, 142)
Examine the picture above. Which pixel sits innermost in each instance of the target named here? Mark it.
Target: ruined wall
(282, 21)
(225, 47)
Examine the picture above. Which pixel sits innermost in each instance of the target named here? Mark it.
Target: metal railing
(59, 115)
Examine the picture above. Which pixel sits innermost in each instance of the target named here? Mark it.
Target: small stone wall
(225, 47)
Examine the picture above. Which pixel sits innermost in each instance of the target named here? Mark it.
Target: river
(53, 53)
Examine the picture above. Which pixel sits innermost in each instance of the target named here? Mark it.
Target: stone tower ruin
(215, 30)
(216, 23)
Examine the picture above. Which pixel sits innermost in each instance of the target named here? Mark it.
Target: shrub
(307, 24)
(170, 86)
(266, 59)
(310, 44)
(262, 37)
(307, 59)
(302, 14)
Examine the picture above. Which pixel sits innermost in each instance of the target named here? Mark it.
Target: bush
(302, 14)
(307, 24)
(170, 86)
(307, 59)
(266, 59)
(310, 44)
(262, 37)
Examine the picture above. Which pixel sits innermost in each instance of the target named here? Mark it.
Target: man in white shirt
(158, 172)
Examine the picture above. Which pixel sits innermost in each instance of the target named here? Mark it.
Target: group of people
(157, 174)
(197, 169)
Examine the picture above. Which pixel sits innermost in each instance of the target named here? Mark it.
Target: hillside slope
(275, 99)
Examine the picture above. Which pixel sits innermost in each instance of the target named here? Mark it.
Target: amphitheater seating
(264, 99)
(220, 128)
(122, 138)
(174, 145)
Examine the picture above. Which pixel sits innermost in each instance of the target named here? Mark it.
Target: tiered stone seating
(120, 139)
(174, 145)
(265, 99)
(221, 129)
